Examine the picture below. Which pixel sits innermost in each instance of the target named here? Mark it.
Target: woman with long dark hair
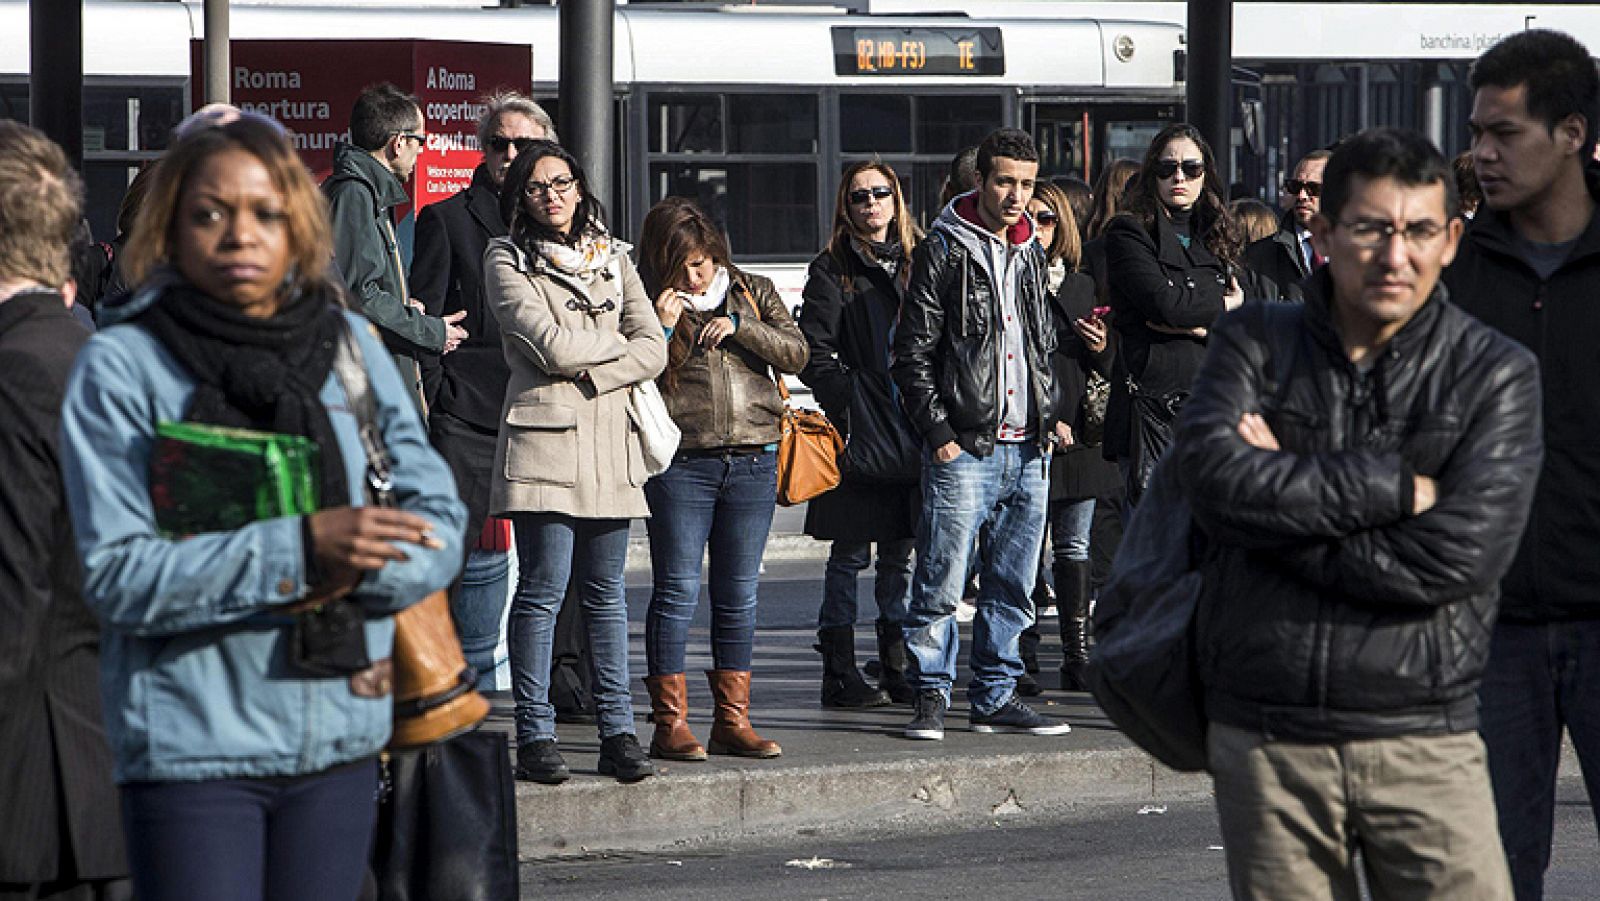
(729, 337)
(852, 296)
(1171, 259)
(578, 332)
(248, 759)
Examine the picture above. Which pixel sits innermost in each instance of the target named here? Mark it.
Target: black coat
(1331, 610)
(1556, 571)
(58, 808)
(847, 317)
(469, 383)
(1078, 471)
(1277, 258)
(1154, 278)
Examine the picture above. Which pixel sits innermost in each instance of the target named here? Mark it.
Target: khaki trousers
(1418, 808)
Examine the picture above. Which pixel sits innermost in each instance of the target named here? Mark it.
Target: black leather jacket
(948, 338)
(1331, 610)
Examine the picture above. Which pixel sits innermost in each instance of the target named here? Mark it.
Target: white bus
(754, 111)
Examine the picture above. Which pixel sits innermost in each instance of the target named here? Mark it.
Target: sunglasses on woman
(499, 143)
(1169, 168)
(867, 195)
(1046, 217)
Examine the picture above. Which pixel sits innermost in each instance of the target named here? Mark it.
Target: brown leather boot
(730, 730)
(669, 709)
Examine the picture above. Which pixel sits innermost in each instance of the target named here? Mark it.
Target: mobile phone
(1099, 312)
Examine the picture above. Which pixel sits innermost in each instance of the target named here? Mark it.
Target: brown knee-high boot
(669, 708)
(730, 730)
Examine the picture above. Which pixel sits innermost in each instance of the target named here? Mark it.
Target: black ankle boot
(892, 663)
(621, 756)
(842, 684)
(1072, 603)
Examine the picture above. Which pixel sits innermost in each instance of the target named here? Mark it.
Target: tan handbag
(808, 452)
(435, 693)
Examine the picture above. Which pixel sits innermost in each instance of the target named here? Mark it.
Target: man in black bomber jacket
(1361, 468)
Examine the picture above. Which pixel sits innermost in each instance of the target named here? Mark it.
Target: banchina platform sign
(310, 86)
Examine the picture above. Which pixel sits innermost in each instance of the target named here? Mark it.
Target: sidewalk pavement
(839, 769)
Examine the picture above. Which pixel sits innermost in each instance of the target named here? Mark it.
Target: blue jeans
(480, 613)
(725, 501)
(550, 549)
(892, 587)
(1070, 524)
(293, 838)
(1008, 491)
(1540, 677)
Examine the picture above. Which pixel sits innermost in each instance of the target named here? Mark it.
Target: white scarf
(713, 296)
(592, 254)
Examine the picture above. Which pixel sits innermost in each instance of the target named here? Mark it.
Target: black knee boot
(1072, 605)
(842, 685)
(892, 661)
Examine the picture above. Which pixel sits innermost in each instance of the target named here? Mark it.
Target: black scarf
(263, 374)
(887, 254)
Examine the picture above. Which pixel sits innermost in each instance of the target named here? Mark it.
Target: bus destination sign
(918, 51)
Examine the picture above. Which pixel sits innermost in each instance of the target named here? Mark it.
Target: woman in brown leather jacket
(728, 336)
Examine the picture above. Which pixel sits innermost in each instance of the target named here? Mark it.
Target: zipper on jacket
(1535, 514)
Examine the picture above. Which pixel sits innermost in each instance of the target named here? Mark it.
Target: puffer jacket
(725, 397)
(1556, 569)
(948, 338)
(1331, 610)
(194, 664)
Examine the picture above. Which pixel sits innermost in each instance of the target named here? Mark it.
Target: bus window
(950, 124)
(874, 123)
(686, 123)
(766, 209)
(772, 123)
(1128, 139)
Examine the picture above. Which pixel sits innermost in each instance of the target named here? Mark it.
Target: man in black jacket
(1530, 267)
(1287, 257)
(1360, 468)
(972, 355)
(60, 829)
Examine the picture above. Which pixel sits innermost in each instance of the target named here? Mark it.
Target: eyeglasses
(1046, 217)
(867, 195)
(1169, 168)
(420, 137)
(501, 143)
(559, 185)
(1294, 186)
(1372, 233)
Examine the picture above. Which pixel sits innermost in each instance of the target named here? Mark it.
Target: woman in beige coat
(578, 332)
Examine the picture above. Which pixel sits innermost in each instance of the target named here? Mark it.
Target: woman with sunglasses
(852, 296)
(577, 331)
(1170, 261)
(728, 336)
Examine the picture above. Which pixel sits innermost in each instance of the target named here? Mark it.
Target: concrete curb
(681, 806)
(780, 546)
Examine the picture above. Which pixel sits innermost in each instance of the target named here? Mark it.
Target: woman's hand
(347, 541)
(714, 331)
(1092, 330)
(1234, 297)
(669, 306)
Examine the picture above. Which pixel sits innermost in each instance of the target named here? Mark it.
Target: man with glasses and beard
(1288, 257)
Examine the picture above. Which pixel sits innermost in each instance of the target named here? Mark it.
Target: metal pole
(55, 79)
(586, 111)
(1210, 79)
(218, 88)
(1433, 107)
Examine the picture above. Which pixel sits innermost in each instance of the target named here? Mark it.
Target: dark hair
(524, 229)
(1108, 194)
(902, 229)
(1080, 197)
(674, 231)
(380, 112)
(1560, 76)
(1212, 223)
(1405, 156)
(1011, 143)
(961, 177)
(1468, 191)
(1321, 153)
(1067, 243)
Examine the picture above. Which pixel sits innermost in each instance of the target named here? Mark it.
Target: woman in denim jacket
(243, 774)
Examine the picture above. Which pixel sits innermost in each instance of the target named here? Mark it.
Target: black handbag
(1152, 418)
(447, 823)
(1143, 670)
(881, 447)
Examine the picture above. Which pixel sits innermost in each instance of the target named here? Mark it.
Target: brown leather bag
(808, 452)
(434, 694)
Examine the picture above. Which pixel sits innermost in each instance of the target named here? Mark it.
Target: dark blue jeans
(1007, 491)
(891, 588)
(1540, 678)
(550, 549)
(724, 501)
(300, 838)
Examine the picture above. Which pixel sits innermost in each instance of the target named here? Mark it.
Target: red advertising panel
(310, 86)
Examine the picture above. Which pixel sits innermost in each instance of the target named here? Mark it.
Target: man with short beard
(972, 361)
(1287, 257)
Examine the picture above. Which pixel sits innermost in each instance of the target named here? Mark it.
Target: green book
(207, 478)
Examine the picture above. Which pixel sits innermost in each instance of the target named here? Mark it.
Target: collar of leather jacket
(1319, 316)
